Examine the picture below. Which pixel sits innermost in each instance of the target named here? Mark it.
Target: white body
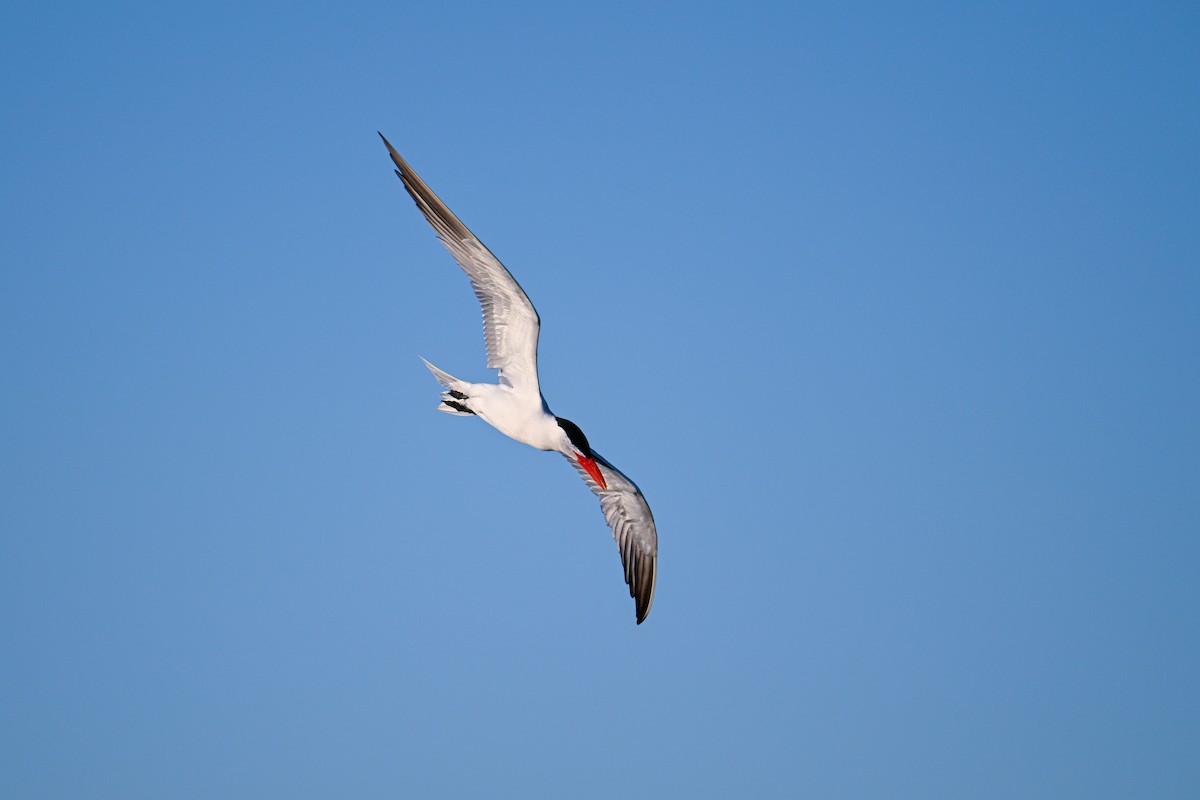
(517, 415)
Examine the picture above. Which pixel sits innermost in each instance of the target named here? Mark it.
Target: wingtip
(396, 158)
(642, 607)
(642, 612)
(645, 596)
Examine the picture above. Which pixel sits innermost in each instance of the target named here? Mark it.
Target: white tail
(454, 399)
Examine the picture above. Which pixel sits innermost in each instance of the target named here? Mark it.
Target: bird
(515, 405)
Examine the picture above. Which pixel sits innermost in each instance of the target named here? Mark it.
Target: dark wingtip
(396, 159)
(644, 594)
(643, 607)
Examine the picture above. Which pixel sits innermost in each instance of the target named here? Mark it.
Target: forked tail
(454, 399)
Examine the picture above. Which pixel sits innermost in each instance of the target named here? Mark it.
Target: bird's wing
(510, 322)
(632, 524)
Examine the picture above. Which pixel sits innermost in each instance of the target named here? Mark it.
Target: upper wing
(510, 322)
(632, 524)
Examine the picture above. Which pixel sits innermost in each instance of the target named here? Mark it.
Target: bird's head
(575, 445)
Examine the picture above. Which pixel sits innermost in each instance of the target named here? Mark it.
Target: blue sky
(892, 311)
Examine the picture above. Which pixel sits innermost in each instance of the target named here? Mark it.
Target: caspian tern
(515, 405)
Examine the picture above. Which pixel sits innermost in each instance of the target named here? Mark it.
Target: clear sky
(892, 310)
